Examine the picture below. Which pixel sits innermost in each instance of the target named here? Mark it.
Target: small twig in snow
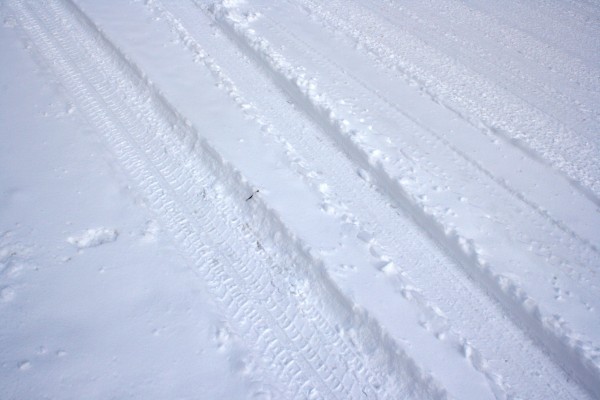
(252, 195)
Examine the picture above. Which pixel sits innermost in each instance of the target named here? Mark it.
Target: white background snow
(299, 199)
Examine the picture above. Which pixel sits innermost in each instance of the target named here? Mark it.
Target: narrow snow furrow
(200, 199)
(574, 355)
(470, 95)
(531, 83)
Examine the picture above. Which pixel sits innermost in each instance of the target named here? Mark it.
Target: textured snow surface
(303, 199)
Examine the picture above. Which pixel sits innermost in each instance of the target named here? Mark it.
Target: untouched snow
(299, 199)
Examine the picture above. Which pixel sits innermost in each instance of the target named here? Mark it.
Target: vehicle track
(550, 64)
(306, 337)
(535, 85)
(567, 27)
(586, 234)
(274, 292)
(296, 143)
(471, 96)
(556, 337)
(310, 166)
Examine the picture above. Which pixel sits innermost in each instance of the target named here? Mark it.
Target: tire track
(192, 45)
(554, 337)
(325, 349)
(510, 71)
(580, 277)
(269, 117)
(570, 31)
(469, 95)
(555, 66)
(497, 175)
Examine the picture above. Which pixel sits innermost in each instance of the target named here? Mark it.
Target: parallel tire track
(309, 156)
(301, 143)
(305, 336)
(524, 79)
(563, 347)
(553, 20)
(462, 158)
(460, 90)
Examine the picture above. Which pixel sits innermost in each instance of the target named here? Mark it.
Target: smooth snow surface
(303, 199)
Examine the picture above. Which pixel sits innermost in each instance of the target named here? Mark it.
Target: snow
(299, 199)
(126, 318)
(94, 237)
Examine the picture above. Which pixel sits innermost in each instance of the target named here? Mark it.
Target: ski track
(369, 161)
(305, 337)
(470, 95)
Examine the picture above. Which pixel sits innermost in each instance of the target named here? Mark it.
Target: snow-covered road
(358, 199)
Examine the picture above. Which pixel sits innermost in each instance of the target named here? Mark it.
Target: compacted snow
(300, 199)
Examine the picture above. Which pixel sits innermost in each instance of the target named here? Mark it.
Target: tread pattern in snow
(306, 337)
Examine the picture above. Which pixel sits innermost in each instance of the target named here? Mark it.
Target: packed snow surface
(362, 199)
